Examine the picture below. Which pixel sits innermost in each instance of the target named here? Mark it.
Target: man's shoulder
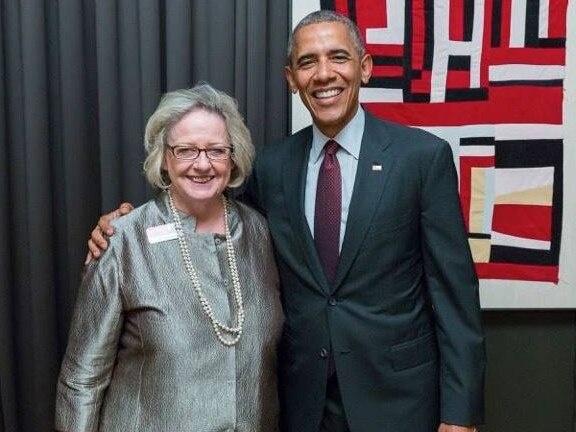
(395, 128)
(287, 144)
(403, 137)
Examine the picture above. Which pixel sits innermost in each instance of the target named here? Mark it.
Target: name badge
(160, 233)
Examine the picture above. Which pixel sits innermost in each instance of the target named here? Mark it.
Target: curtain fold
(79, 80)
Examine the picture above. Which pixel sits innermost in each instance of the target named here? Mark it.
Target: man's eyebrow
(339, 51)
(305, 57)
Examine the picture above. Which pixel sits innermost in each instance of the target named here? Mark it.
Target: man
(383, 328)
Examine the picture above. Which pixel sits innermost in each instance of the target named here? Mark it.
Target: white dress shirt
(350, 140)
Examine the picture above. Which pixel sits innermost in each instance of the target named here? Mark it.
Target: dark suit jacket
(403, 316)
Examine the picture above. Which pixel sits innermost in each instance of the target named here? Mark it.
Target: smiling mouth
(201, 180)
(325, 94)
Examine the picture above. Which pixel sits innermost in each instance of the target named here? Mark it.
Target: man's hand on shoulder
(455, 428)
(98, 241)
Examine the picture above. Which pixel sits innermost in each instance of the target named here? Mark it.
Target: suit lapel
(294, 183)
(374, 166)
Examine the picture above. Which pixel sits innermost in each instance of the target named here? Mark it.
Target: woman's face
(199, 182)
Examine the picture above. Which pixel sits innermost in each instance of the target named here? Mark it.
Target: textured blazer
(402, 317)
(142, 355)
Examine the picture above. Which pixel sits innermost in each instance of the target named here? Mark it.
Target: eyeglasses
(192, 153)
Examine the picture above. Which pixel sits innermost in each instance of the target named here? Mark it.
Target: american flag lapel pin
(376, 166)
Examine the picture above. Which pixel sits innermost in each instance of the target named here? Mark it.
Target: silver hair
(175, 105)
(323, 16)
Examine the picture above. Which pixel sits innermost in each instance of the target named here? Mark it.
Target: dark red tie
(328, 210)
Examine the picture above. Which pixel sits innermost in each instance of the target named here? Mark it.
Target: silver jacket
(142, 355)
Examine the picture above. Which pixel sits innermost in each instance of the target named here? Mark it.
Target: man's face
(327, 71)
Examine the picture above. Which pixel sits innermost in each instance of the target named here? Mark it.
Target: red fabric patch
(527, 221)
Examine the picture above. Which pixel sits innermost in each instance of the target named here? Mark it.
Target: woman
(176, 326)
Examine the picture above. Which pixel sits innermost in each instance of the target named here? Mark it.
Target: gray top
(142, 355)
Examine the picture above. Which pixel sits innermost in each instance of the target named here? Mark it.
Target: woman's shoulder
(251, 218)
(151, 210)
(247, 212)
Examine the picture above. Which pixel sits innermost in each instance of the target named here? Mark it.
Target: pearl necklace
(232, 333)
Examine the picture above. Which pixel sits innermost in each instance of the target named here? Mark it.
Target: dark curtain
(79, 79)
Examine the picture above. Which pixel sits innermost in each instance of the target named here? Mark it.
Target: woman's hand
(98, 241)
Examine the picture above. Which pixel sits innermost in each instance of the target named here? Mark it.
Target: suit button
(332, 301)
(324, 353)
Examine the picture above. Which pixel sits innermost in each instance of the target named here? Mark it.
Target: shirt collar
(349, 138)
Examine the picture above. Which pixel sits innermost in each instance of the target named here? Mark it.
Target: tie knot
(331, 147)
